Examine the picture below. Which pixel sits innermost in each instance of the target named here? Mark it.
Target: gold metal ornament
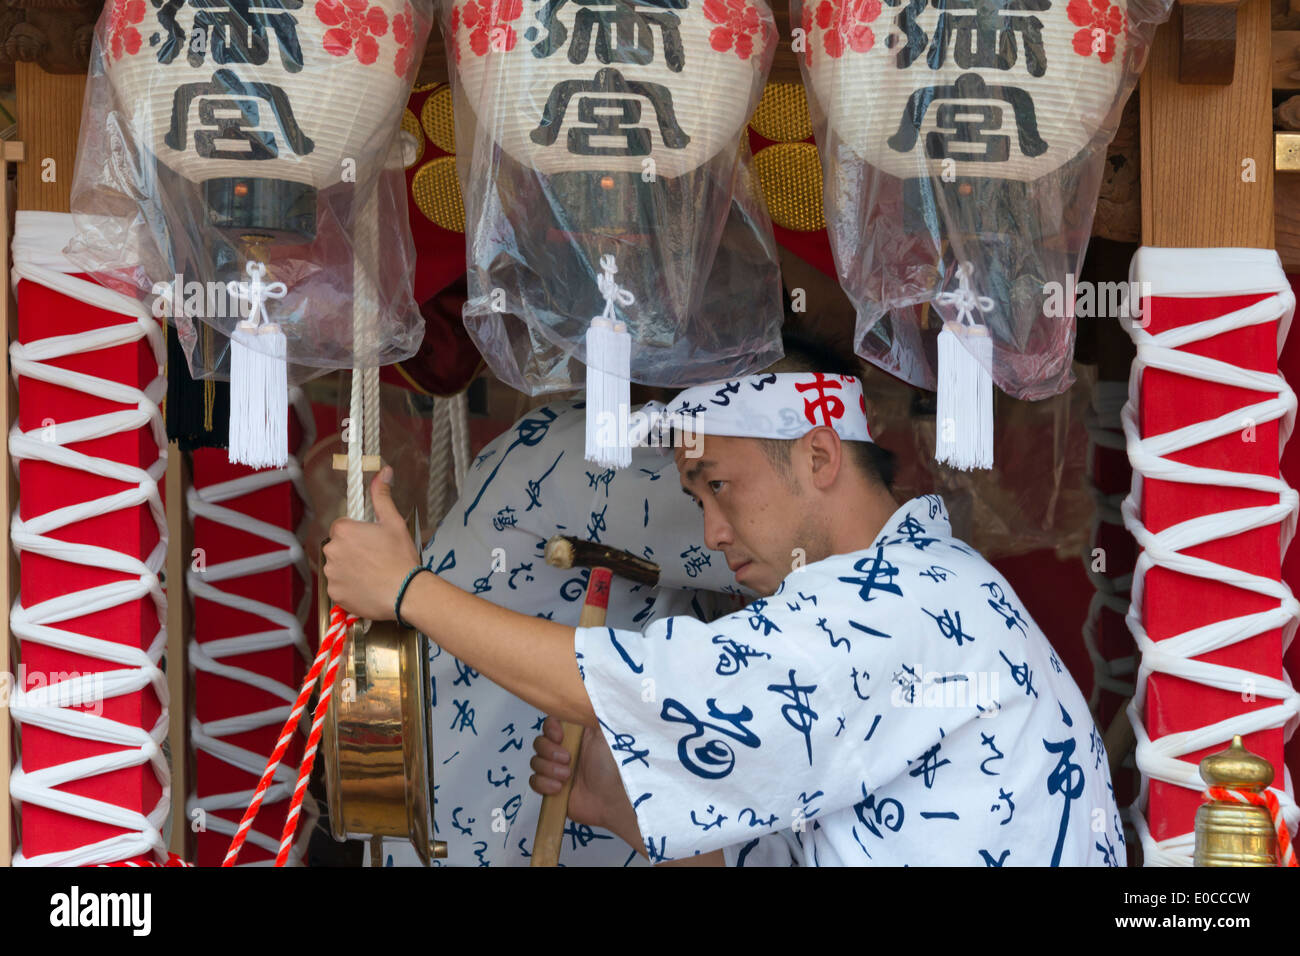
(376, 741)
(438, 119)
(1230, 833)
(436, 192)
(782, 113)
(791, 177)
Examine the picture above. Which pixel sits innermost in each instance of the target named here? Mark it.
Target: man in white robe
(887, 701)
(527, 484)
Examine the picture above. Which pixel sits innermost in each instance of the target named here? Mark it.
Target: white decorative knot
(965, 298)
(255, 292)
(611, 290)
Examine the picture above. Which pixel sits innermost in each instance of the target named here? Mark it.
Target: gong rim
(388, 696)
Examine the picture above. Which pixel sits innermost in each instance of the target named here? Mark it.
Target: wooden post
(49, 118)
(1207, 183)
(179, 538)
(49, 113)
(49, 110)
(1196, 140)
(13, 153)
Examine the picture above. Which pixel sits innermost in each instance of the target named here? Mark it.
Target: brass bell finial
(1230, 833)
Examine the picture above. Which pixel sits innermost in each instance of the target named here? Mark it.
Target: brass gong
(378, 745)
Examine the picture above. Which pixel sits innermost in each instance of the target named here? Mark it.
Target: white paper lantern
(288, 90)
(634, 86)
(1008, 89)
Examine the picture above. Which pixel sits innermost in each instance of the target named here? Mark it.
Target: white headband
(783, 405)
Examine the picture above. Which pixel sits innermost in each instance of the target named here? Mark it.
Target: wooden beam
(45, 179)
(1287, 225)
(179, 537)
(12, 153)
(368, 462)
(1214, 143)
(1208, 41)
(1286, 59)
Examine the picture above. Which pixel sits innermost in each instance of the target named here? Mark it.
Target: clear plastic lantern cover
(216, 133)
(973, 132)
(592, 128)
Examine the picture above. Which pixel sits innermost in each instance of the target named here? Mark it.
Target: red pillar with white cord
(1206, 419)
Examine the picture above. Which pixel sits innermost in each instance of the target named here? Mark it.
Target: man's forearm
(530, 657)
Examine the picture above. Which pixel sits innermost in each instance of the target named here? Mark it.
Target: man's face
(753, 514)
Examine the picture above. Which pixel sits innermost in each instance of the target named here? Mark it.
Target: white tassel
(963, 434)
(259, 373)
(609, 375)
(964, 417)
(259, 397)
(609, 359)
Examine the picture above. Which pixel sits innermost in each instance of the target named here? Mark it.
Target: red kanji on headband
(831, 406)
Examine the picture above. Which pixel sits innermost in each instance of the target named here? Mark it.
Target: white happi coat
(529, 483)
(893, 706)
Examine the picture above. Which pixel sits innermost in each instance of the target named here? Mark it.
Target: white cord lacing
(1159, 759)
(209, 657)
(50, 707)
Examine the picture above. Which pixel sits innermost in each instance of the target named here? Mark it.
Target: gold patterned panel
(436, 191)
(415, 136)
(782, 113)
(437, 119)
(791, 176)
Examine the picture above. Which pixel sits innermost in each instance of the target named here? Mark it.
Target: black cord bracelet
(401, 593)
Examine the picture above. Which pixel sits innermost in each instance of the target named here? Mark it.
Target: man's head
(771, 505)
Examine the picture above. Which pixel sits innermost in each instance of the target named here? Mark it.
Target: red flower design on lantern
(488, 24)
(1101, 21)
(404, 34)
(355, 23)
(123, 37)
(738, 23)
(846, 25)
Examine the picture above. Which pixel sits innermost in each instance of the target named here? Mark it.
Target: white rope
(459, 416)
(50, 707)
(439, 462)
(613, 293)
(209, 737)
(1159, 759)
(363, 432)
(255, 292)
(965, 298)
(1111, 592)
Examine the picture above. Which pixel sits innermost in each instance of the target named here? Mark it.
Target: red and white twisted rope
(173, 859)
(340, 621)
(1268, 800)
(330, 649)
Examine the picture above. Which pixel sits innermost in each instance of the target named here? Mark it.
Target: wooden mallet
(563, 551)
